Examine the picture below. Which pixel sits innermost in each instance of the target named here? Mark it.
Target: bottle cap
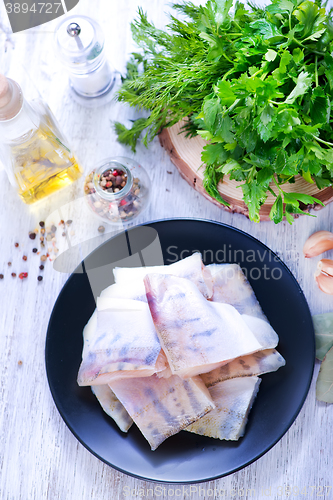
(80, 43)
(11, 98)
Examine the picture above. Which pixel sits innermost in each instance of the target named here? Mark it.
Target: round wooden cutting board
(186, 155)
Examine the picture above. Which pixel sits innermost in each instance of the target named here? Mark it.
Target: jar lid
(80, 43)
(11, 98)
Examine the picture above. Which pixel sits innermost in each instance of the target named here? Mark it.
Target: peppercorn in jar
(117, 190)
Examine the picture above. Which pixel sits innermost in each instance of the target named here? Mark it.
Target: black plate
(185, 457)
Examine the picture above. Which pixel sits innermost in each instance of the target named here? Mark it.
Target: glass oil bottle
(34, 152)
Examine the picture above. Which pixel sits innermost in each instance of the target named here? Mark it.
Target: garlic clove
(317, 243)
(325, 266)
(324, 282)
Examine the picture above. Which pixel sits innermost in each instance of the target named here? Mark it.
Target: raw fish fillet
(233, 400)
(123, 344)
(162, 407)
(134, 291)
(88, 333)
(112, 406)
(231, 287)
(191, 268)
(268, 360)
(263, 331)
(196, 335)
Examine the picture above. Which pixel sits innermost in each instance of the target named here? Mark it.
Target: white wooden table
(39, 457)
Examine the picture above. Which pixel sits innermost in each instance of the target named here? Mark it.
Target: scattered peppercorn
(25, 257)
(53, 228)
(69, 222)
(43, 258)
(23, 275)
(62, 222)
(1, 276)
(34, 250)
(20, 363)
(101, 229)
(41, 267)
(9, 264)
(40, 278)
(63, 234)
(42, 231)
(14, 275)
(42, 223)
(32, 235)
(16, 244)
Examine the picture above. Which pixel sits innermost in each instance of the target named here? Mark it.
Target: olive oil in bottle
(36, 156)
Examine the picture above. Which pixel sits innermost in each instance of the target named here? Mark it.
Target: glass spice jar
(117, 190)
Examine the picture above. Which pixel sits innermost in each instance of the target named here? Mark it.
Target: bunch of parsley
(257, 84)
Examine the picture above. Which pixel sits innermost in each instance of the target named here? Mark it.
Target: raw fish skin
(231, 287)
(263, 331)
(123, 344)
(233, 400)
(191, 268)
(162, 407)
(196, 335)
(134, 291)
(112, 406)
(268, 360)
(88, 333)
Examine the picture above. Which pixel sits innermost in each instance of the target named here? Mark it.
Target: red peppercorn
(14, 275)
(1, 276)
(25, 257)
(16, 245)
(23, 275)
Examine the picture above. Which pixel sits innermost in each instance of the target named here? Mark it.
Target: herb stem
(231, 107)
(316, 70)
(305, 47)
(271, 191)
(321, 140)
(240, 29)
(277, 185)
(275, 102)
(229, 72)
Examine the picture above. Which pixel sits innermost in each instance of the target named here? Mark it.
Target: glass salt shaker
(117, 190)
(80, 45)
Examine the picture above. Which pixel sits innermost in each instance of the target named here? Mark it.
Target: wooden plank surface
(39, 456)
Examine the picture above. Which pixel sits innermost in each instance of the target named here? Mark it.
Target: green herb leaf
(324, 386)
(303, 83)
(323, 327)
(257, 83)
(276, 213)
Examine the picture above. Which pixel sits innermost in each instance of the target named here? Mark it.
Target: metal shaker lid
(80, 42)
(11, 98)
